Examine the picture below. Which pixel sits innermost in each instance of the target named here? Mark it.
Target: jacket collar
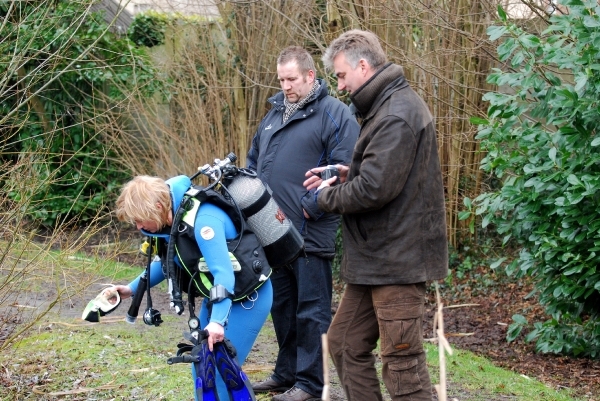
(374, 89)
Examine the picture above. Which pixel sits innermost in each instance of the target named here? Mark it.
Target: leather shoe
(295, 394)
(269, 385)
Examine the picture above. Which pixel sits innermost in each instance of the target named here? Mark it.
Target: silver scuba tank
(280, 239)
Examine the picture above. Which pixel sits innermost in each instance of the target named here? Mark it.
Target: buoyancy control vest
(250, 265)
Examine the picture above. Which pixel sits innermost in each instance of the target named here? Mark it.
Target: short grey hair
(356, 45)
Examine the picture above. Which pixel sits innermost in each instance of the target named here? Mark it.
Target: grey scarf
(291, 108)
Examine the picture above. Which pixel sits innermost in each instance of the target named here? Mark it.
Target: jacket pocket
(400, 328)
(353, 229)
(405, 376)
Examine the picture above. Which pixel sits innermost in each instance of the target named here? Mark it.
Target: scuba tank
(279, 238)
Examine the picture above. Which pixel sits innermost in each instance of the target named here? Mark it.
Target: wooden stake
(325, 351)
(443, 345)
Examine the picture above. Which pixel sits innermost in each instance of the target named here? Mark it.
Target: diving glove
(204, 366)
(102, 305)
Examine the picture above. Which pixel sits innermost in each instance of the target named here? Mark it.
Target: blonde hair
(139, 198)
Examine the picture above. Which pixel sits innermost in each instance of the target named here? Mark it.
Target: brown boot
(270, 385)
(295, 394)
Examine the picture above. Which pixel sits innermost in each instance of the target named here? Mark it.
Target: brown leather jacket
(394, 223)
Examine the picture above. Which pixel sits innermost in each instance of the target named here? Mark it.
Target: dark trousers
(301, 313)
(392, 314)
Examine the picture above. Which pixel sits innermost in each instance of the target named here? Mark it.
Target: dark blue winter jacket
(321, 133)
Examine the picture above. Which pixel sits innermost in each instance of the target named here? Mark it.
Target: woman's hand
(216, 334)
(123, 290)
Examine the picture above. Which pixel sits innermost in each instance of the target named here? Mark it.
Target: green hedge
(65, 74)
(542, 142)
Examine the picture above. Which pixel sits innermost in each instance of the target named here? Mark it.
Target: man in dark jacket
(306, 128)
(394, 227)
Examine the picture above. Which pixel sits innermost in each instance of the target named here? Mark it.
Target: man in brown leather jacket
(391, 199)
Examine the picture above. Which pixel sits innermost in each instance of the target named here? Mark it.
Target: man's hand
(314, 177)
(327, 183)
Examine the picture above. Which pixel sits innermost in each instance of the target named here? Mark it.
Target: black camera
(152, 317)
(329, 172)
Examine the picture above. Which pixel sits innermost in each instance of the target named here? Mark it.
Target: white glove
(103, 304)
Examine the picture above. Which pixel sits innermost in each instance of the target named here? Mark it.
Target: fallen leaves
(482, 329)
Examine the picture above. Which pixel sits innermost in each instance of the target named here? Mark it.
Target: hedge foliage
(542, 142)
(64, 74)
(148, 28)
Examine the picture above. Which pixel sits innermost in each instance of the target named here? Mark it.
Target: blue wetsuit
(242, 322)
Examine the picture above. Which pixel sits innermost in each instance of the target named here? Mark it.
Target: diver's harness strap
(174, 287)
(248, 256)
(176, 297)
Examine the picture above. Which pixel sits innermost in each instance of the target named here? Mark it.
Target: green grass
(29, 259)
(477, 378)
(67, 359)
(122, 361)
(119, 272)
(128, 362)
